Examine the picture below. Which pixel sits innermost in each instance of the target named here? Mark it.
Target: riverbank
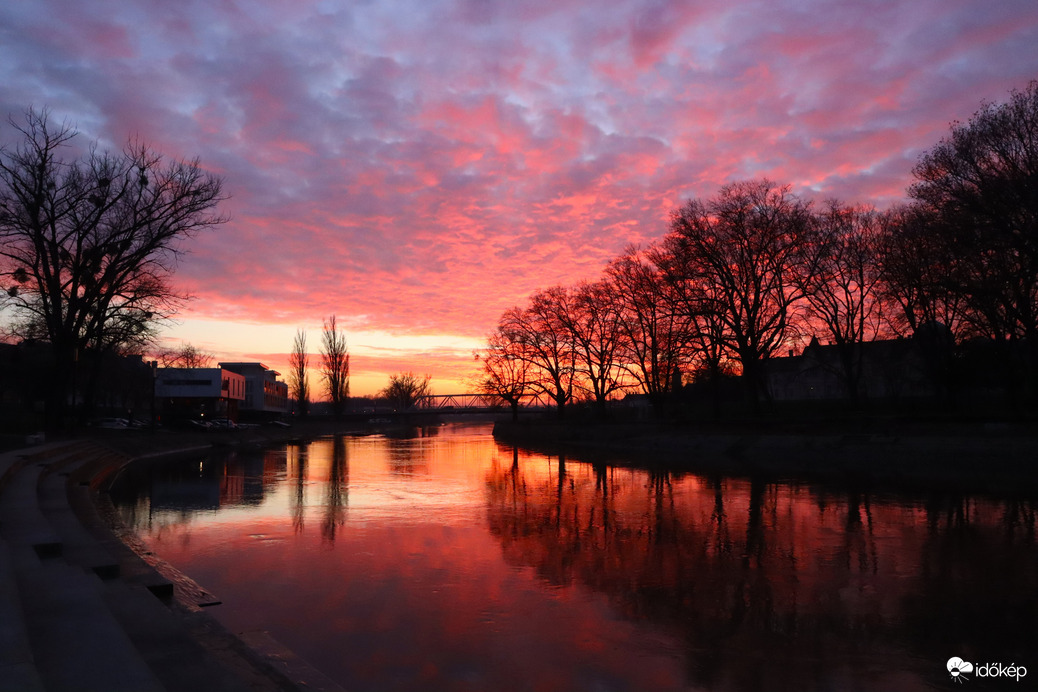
(302, 429)
(84, 606)
(991, 455)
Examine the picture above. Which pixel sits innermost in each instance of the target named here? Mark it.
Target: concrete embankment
(983, 456)
(80, 610)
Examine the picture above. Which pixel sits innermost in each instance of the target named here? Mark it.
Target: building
(266, 397)
(886, 370)
(103, 384)
(198, 393)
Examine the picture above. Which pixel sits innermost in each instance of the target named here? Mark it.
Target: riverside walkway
(82, 612)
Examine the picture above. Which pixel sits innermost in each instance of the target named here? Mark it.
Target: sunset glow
(416, 168)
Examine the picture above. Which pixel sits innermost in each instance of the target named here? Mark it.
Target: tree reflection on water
(771, 584)
(442, 560)
(338, 491)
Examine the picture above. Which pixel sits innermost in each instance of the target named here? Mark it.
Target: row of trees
(757, 270)
(403, 391)
(335, 368)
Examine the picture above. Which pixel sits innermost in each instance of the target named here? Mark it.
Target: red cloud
(426, 166)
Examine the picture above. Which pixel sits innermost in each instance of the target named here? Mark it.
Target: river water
(441, 560)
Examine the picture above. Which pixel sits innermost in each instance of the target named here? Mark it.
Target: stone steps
(21, 518)
(77, 644)
(18, 671)
(165, 643)
(83, 498)
(78, 545)
(17, 667)
(63, 636)
(81, 612)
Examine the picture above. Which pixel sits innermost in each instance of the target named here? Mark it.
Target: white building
(199, 393)
(266, 396)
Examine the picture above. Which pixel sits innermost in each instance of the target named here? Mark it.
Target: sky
(417, 167)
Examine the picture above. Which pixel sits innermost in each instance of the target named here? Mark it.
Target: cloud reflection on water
(446, 561)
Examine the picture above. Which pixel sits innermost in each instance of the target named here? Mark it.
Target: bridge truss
(440, 402)
(471, 402)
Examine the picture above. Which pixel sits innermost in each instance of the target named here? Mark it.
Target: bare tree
(592, 317)
(981, 182)
(922, 290)
(743, 249)
(335, 365)
(655, 332)
(90, 244)
(405, 390)
(841, 287)
(543, 341)
(299, 382)
(704, 341)
(504, 374)
(186, 356)
(918, 272)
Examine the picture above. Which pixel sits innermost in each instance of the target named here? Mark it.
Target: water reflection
(770, 585)
(441, 560)
(338, 491)
(295, 463)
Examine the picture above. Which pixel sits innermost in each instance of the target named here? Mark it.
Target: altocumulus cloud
(428, 164)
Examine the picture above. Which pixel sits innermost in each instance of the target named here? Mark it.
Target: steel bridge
(463, 403)
(456, 402)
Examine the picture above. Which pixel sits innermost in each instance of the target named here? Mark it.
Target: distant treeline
(757, 271)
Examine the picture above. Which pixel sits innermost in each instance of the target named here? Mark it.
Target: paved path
(81, 612)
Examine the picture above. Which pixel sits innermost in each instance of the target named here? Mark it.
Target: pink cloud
(427, 165)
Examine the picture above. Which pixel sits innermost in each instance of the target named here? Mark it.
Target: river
(438, 559)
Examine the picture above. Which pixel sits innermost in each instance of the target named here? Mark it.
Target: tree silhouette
(981, 185)
(745, 247)
(542, 340)
(504, 374)
(841, 286)
(917, 272)
(335, 365)
(187, 356)
(89, 245)
(299, 363)
(754, 270)
(405, 390)
(654, 344)
(593, 319)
